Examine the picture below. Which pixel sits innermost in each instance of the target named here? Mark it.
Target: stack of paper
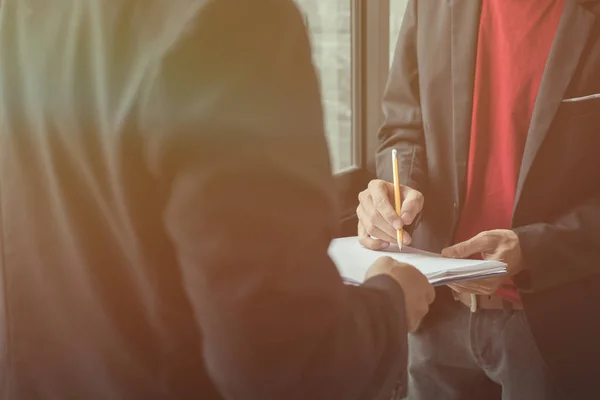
(353, 261)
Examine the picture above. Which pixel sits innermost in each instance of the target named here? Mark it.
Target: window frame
(370, 67)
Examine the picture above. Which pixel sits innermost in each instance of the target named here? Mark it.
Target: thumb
(478, 244)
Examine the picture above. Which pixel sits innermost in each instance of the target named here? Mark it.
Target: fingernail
(397, 224)
(385, 245)
(405, 218)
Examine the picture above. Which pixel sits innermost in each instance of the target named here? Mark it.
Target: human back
(162, 163)
(95, 306)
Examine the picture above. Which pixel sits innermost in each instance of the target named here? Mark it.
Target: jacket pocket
(580, 106)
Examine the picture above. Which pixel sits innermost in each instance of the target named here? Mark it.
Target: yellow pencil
(397, 195)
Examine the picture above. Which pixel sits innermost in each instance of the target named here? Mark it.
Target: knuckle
(359, 213)
(367, 243)
(374, 184)
(481, 236)
(431, 297)
(382, 204)
(405, 268)
(486, 237)
(415, 316)
(372, 221)
(387, 260)
(419, 314)
(361, 196)
(378, 201)
(489, 242)
(422, 304)
(416, 274)
(391, 232)
(379, 186)
(361, 231)
(384, 263)
(419, 198)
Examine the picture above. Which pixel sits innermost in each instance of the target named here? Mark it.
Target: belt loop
(473, 303)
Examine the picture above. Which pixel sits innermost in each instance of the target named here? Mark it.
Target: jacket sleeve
(403, 125)
(239, 142)
(561, 251)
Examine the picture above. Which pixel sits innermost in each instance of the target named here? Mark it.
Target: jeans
(489, 354)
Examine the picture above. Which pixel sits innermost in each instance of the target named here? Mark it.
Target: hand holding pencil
(397, 196)
(385, 208)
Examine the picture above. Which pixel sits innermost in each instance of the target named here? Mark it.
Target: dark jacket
(428, 107)
(166, 211)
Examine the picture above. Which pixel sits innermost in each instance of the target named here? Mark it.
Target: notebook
(353, 261)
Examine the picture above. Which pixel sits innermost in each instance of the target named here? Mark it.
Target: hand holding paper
(353, 261)
(418, 292)
(492, 245)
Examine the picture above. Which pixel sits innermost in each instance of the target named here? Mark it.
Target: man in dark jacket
(494, 108)
(166, 214)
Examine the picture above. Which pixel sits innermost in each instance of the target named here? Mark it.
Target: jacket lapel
(569, 43)
(465, 15)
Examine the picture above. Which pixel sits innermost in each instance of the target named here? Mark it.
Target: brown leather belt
(493, 302)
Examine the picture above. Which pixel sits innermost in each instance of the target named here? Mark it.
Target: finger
(412, 204)
(413, 325)
(485, 290)
(421, 284)
(465, 288)
(490, 285)
(481, 243)
(468, 289)
(374, 223)
(458, 288)
(430, 294)
(372, 217)
(483, 287)
(381, 194)
(455, 287)
(406, 238)
(367, 241)
(416, 317)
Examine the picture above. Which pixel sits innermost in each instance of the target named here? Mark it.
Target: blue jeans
(489, 354)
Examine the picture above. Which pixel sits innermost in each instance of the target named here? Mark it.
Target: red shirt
(515, 37)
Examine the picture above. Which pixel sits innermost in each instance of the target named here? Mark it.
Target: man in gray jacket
(494, 108)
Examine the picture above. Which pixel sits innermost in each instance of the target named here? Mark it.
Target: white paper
(353, 261)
